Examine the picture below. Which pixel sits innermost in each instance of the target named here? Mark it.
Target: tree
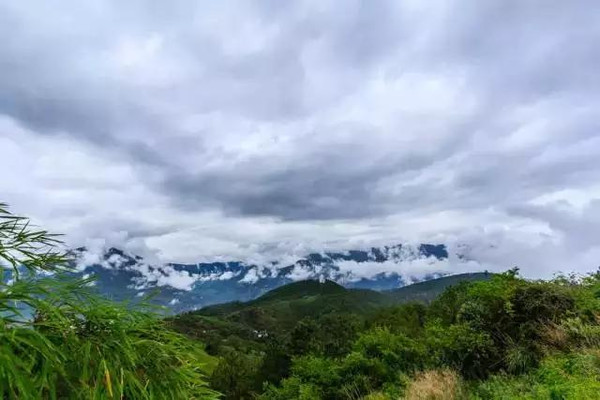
(236, 376)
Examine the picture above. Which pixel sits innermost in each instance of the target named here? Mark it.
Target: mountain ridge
(182, 287)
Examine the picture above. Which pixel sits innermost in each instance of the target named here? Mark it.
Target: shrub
(317, 370)
(564, 376)
(235, 376)
(380, 357)
(396, 352)
(462, 348)
(487, 305)
(447, 306)
(291, 389)
(554, 337)
(541, 303)
(580, 333)
(521, 357)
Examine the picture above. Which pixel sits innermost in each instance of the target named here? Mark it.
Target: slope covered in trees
(484, 337)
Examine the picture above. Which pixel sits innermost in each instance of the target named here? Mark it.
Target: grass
(442, 384)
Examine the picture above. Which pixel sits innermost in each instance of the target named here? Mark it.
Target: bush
(567, 376)
(581, 334)
(447, 306)
(313, 377)
(462, 348)
(521, 357)
(395, 352)
(235, 376)
(292, 389)
(541, 303)
(381, 357)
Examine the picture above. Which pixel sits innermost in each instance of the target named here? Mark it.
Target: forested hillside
(484, 337)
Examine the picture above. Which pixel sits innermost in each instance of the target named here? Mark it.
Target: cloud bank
(266, 130)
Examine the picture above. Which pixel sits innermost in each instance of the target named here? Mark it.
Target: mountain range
(185, 287)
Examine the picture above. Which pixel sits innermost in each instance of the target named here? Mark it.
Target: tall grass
(442, 384)
(59, 340)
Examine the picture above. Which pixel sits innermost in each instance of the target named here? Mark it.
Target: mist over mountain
(181, 287)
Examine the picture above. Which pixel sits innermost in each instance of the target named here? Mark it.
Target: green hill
(276, 313)
(300, 289)
(282, 308)
(427, 291)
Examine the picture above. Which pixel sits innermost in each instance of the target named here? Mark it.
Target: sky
(201, 130)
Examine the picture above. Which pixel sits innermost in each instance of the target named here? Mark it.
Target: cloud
(250, 277)
(165, 276)
(241, 130)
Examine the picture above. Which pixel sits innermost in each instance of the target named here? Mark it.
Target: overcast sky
(196, 130)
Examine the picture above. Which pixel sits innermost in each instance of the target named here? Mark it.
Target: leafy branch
(21, 245)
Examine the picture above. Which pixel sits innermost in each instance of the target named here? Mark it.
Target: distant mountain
(427, 291)
(183, 287)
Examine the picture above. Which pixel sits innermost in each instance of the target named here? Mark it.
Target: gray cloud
(303, 122)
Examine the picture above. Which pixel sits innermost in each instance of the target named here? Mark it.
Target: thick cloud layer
(199, 130)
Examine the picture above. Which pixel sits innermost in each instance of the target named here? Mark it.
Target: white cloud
(227, 275)
(250, 277)
(298, 273)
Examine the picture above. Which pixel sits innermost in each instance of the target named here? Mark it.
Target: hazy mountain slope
(183, 287)
(427, 291)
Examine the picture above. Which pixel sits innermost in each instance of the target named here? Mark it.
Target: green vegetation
(58, 340)
(485, 337)
(572, 375)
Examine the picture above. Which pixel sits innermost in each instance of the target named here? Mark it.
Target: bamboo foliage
(60, 340)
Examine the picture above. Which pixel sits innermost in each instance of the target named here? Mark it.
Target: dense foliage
(58, 340)
(502, 337)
